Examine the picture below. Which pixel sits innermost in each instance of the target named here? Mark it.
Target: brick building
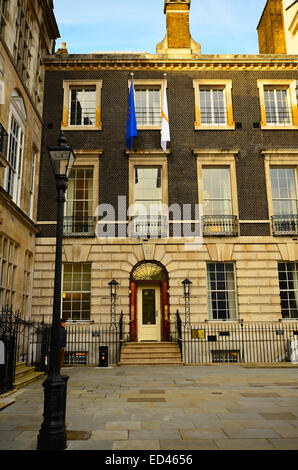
(229, 177)
(27, 33)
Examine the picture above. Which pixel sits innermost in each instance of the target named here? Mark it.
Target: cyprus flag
(165, 128)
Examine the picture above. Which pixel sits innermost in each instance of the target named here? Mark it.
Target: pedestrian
(62, 341)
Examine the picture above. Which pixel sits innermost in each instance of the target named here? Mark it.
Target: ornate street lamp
(52, 435)
(113, 295)
(186, 289)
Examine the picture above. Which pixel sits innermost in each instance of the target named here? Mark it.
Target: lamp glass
(186, 285)
(62, 157)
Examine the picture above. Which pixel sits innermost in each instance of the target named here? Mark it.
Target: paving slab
(218, 407)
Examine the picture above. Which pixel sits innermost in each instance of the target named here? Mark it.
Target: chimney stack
(178, 40)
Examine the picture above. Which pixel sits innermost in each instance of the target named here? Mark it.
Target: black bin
(103, 356)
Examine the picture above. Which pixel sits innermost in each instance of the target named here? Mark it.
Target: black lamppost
(186, 289)
(52, 434)
(113, 295)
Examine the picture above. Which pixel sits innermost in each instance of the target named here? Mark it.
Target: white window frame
(290, 86)
(218, 167)
(139, 83)
(282, 167)
(212, 84)
(277, 158)
(17, 114)
(64, 292)
(8, 267)
(70, 84)
(32, 183)
(294, 291)
(209, 292)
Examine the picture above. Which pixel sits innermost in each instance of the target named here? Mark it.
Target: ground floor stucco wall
(256, 268)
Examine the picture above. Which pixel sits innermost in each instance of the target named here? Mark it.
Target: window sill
(148, 128)
(266, 127)
(81, 128)
(214, 128)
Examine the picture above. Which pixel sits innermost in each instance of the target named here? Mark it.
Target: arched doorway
(149, 302)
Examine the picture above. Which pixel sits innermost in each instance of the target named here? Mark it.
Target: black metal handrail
(23, 341)
(220, 225)
(281, 117)
(82, 117)
(213, 116)
(251, 342)
(285, 224)
(79, 226)
(148, 116)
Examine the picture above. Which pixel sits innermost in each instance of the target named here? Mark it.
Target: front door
(149, 312)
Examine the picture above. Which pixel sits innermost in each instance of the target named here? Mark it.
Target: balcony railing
(280, 117)
(149, 226)
(148, 116)
(80, 227)
(210, 116)
(285, 224)
(82, 117)
(220, 225)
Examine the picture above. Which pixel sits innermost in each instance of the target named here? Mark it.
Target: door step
(138, 354)
(25, 375)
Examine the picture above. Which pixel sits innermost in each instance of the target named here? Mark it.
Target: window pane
(216, 191)
(148, 106)
(288, 284)
(82, 106)
(277, 106)
(76, 291)
(213, 106)
(221, 291)
(284, 193)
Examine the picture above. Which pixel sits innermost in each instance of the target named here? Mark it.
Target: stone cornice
(145, 61)
(6, 201)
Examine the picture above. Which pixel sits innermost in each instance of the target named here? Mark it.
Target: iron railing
(213, 116)
(148, 117)
(22, 341)
(151, 226)
(285, 224)
(79, 226)
(227, 342)
(280, 117)
(82, 116)
(220, 225)
(83, 343)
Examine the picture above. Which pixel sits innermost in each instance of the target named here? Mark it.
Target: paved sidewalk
(218, 407)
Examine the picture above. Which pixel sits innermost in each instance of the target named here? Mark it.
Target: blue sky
(220, 26)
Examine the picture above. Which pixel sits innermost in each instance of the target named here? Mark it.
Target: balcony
(79, 226)
(149, 226)
(285, 224)
(220, 225)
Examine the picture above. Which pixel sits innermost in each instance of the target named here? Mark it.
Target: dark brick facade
(182, 168)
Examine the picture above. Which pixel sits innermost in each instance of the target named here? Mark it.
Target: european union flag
(131, 124)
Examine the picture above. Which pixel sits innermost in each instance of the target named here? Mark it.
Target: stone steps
(149, 353)
(25, 375)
